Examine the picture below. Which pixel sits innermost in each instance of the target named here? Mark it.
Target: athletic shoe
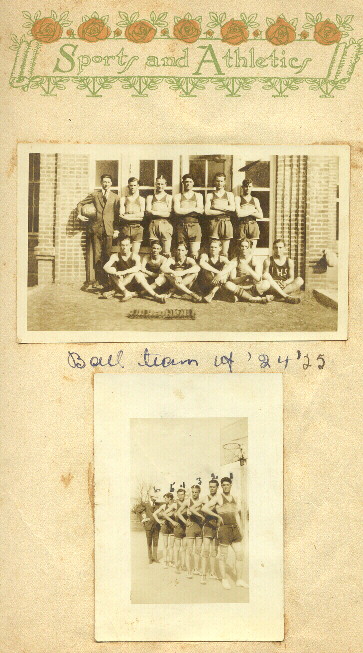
(241, 583)
(203, 580)
(292, 300)
(189, 575)
(226, 584)
(214, 577)
(160, 299)
(165, 565)
(107, 294)
(196, 572)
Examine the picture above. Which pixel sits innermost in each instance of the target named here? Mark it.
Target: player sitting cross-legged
(278, 270)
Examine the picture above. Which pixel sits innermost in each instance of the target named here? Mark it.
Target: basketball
(88, 211)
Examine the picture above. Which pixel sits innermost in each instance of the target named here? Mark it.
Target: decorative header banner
(187, 54)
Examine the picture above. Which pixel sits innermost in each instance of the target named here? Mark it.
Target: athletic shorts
(251, 287)
(132, 231)
(179, 531)
(160, 229)
(193, 529)
(229, 534)
(188, 232)
(280, 282)
(248, 229)
(210, 531)
(220, 228)
(167, 528)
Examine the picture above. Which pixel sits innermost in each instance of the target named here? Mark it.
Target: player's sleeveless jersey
(218, 264)
(132, 206)
(178, 266)
(209, 520)
(194, 518)
(279, 272)
(154, 266)
(159, 204)
(122, 265)
(179, 504)
(250, 202)
(219, 202)
(190, 203)
(228, 511)
(246, 278)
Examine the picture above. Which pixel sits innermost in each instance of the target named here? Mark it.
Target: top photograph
(182, 242)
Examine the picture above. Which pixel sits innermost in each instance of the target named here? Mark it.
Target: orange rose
(46, 30)
(234, 32)
(281, 32)
(93, 30)
(327, 33)
(187, 30)
(140, 32)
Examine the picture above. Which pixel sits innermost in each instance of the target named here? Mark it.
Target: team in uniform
(228, 228)
(198, 530)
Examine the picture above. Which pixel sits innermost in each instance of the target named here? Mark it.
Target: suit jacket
(107, 215)
(146, 507)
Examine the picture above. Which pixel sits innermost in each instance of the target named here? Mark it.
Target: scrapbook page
(181, 326)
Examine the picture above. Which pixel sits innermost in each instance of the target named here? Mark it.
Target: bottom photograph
(189, 510)
(188, 507)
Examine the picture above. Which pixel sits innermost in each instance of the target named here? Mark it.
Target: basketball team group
(197, 531)
(121, 272)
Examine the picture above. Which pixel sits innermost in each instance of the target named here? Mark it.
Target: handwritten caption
(228, 361)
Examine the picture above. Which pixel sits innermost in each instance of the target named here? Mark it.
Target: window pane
(165, 168)
(213, 168)
(147, 173)
(264, 197)
(106, 168)
(34, 167)
(197, 170)
(259, 173)
(263, 240)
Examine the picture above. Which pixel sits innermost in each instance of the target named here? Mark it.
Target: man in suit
(152, 527)
(103, 226)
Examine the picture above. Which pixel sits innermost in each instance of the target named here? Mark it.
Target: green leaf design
(214, 20)
(188, 16)
(37, 15)
(27, 14)
(153, 16)
(95, 15)
(177, 19)
(308, 25)
(339, 20)
(134, 17)
(105, 19)
(64, 15)
(293, 22)
(348, 19)
(318, 18)
(270, 21)
(53, 15)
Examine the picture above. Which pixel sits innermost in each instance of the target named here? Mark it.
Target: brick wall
(322, 180)
(70, 237)
(291, 175)
(45, 251)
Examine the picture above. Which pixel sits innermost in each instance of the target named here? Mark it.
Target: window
(107, 168)
(33, 197)
(204, 169)
(152, 168)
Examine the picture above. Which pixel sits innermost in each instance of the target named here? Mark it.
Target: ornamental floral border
(279, 31)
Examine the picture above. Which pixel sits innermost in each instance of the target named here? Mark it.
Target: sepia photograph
(189, 510)
(183, 242)
(188, 507)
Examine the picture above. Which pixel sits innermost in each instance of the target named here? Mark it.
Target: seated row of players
(188, 207)
(195, 529)
(160, 277)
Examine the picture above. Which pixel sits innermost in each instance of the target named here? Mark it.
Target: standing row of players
(195, 530)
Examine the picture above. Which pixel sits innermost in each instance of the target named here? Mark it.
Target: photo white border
(26, 336)
(116, 400)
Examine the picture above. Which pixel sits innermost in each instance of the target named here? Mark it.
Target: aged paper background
(47, 591)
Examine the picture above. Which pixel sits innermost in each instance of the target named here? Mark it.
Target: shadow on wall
(328, 260)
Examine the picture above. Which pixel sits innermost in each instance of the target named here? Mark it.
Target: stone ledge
(326, 297)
